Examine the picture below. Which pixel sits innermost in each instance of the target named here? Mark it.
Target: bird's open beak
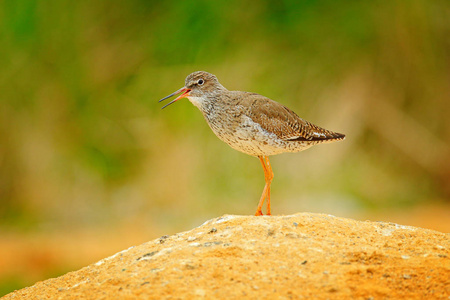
(185, 92)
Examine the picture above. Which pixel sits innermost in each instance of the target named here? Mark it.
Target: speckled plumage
(251, 123)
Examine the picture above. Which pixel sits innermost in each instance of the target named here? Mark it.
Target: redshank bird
(251, 123)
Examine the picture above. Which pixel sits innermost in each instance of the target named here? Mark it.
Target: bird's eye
(200, 81)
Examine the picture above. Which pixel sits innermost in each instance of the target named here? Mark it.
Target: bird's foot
(259, 213)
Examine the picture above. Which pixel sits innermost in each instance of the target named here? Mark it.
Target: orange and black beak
(185, 92)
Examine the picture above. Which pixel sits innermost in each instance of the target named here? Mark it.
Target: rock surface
(298, 256)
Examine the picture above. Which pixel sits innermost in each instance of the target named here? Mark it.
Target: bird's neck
(197, 101)
(207, 102)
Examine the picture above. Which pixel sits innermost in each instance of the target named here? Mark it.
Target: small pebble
(145, 256)
(163, 239)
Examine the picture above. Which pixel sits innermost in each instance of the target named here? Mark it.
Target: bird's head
(198, 87)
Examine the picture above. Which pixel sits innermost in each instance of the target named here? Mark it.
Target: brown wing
(286, 124)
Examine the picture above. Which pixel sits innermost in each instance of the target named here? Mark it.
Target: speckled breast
(243, 134)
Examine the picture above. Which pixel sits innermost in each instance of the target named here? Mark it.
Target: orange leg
(268, 176)
(270, 181)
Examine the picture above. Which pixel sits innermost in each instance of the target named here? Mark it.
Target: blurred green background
(90, 165)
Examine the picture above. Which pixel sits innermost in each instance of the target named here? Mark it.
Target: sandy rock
(300, 256)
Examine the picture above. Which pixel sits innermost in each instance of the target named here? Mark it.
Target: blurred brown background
(90, 165)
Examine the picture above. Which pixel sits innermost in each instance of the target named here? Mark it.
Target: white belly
(250, 138)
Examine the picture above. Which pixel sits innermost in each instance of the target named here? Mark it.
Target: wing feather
(280, 120)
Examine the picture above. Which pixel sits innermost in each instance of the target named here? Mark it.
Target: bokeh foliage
(83, 140)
